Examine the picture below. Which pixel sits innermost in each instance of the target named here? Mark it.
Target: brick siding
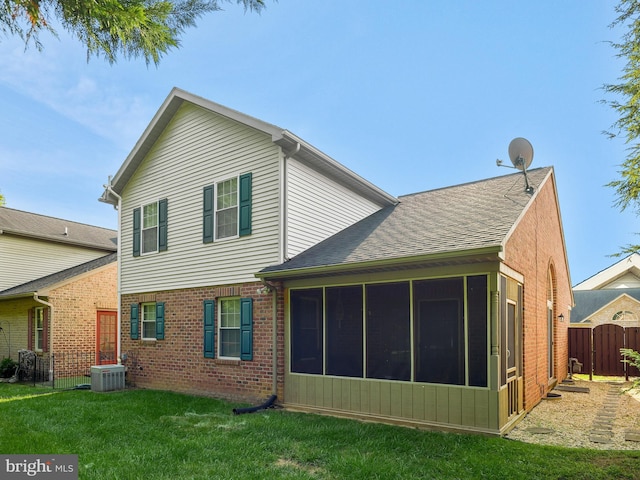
(535, 248)
(76, 303)
(177, 363)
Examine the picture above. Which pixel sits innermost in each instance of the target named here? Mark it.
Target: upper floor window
(150, 228)
(625, 315)
(227, 209)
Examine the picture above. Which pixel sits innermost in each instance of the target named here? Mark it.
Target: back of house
(252, 264)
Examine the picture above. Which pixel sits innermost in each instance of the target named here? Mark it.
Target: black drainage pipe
(264, 406)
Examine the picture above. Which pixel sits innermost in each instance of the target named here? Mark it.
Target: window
(234, 327)
(227, 209)
(439, 331)
(148, 321)
(625, 315)
(306, 331)
(388, 331)
(150, 228)
(38, 328)
(477, 308)
(344, 331)
(229, 327)
(432, 331)
(150, 318)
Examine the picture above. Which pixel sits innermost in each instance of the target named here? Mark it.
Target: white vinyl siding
(197, 149)
(25, 259)
(318, 207)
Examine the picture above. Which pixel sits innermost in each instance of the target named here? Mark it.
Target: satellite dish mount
(521, 156)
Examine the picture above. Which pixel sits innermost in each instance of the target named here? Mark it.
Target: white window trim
(220, 328)
(150, 252)
(142, 322)
(215, 209)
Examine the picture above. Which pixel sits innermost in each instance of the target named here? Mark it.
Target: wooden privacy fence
(598, 349)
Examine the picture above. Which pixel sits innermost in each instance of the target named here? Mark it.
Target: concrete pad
(632, 435)
(539, 430)
(569, 388)
(600, 439)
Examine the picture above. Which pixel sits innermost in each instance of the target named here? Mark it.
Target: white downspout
(118, 260)
(284, 253)
(270, 288)
(49, 329)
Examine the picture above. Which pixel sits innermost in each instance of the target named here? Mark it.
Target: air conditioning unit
(105, 378)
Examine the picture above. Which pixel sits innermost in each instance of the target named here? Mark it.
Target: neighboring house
(59, 281)
(608, 305)
(251, 263)
(610, 296)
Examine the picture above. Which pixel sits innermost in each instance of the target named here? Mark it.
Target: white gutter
(49, 329)
(118, 260)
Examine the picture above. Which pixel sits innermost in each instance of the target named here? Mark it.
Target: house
(58, 286)
(207, 198)
(251, 264)
(606, 318)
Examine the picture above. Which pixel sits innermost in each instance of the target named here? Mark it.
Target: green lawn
(144, 434)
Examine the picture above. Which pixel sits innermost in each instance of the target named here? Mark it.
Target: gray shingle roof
(54, 278)
(459, 218)
(588, 302)
(17, 222)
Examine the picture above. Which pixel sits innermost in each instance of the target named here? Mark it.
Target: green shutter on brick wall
(134, 322)
(246, 329)
(207, 214)
(245, 205)
(209, 329)
(136, 232)
(163, 217)
(159, 320)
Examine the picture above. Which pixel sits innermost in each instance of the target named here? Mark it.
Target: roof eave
(63, 241)
(492, 253)
(18, 296)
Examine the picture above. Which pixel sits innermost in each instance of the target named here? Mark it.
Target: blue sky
(412, 95)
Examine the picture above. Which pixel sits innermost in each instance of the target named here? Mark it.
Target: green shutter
(207, 214)
(162, 224)
(136, 232)
(134, 321)
(209, 329)
(245, 205)
(246, 329)
(160, 321)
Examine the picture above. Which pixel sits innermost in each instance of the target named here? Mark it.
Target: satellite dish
(521, 153)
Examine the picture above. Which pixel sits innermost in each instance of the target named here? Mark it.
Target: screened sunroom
(422, 351)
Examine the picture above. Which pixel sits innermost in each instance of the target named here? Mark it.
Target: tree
(626, 103)
(112, 28)
(2, 200)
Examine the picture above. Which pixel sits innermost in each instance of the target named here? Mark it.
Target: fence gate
(608, 339)
(599, 349)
